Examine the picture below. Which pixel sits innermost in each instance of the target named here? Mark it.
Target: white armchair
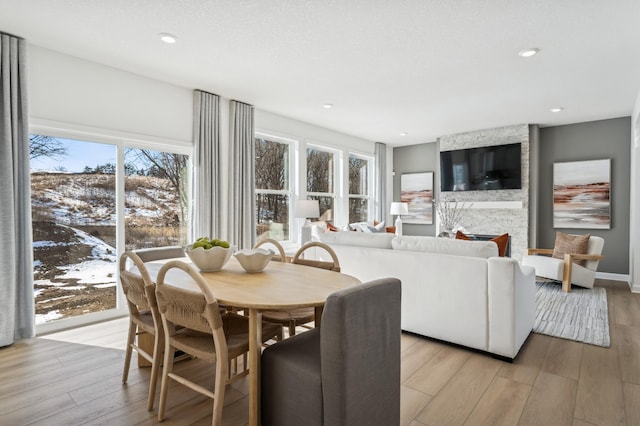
(566, 270)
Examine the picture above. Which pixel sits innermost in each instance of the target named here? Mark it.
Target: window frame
(338, 181)
(370, 183)
(292, 181)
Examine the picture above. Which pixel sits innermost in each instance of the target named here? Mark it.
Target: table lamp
(306, 209)
(399, 209)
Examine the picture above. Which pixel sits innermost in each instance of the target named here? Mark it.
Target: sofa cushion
(483, 249)
(570, 244)
(501, 240)
(360, 239)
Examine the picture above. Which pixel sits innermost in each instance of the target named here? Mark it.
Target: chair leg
(566, 275)
(222, 378)
(133, 328)
(158, 352)
(164, 384)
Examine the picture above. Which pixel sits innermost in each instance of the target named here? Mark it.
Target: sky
(79, 155)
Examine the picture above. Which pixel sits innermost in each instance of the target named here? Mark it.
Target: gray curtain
(381, 183)
(242, 200)
(205, 200)
(17, 318)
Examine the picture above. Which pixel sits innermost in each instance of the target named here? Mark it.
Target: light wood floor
(74, 377)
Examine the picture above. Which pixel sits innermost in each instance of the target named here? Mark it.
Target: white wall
(634, 215)
(66, 89)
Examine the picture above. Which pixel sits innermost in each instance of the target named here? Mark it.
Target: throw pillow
(501, 240)
(332, 228)
(571, 244)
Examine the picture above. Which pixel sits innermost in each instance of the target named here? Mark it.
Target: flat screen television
(484, 168)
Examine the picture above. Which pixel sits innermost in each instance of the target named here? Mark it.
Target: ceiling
(422, 67)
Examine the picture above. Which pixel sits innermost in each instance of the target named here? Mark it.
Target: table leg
(318, 315)
(145, 342)
(255, 347)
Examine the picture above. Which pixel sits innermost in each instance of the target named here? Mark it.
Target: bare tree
(45, 146)
(167, 165)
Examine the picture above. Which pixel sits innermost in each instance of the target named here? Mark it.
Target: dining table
(280, 286)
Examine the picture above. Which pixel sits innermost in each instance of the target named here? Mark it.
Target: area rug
(579, 315)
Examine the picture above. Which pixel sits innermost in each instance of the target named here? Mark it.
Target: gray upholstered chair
(347, 372)
(158, 253)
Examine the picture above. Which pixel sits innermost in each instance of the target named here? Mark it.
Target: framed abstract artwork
(582, 194)
(416, 189)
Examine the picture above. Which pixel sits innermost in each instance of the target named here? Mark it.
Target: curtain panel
(17, 306)
(381, 183)
(242, 200)
(205, 199)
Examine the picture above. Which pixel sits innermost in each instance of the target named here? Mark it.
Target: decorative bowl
(254, 260)
(209, 260)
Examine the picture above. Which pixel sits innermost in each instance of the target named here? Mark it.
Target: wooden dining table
(281, 286)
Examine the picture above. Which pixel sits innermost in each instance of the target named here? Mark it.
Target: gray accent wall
(589, 141)
(414, 159)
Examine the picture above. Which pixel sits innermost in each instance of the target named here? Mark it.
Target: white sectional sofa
(452, 290)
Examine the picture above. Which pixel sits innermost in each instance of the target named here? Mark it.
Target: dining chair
(346, 372)
(281, 256)
(193, 323)
(159, 253)
(139, 291)
(300, 316)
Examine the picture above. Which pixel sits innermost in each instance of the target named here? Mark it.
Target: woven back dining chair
(193, 323)
(280, 256)
(139, 291)
(302, 316)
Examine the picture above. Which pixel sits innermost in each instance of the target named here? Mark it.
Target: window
(320, 181)
(273, 190)
(156, 198)
(75, 218)
(359, 197)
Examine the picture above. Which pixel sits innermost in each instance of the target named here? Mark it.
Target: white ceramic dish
(254, 260)
(210, 260)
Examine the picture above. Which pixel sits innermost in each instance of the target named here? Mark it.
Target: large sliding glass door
(76, 220)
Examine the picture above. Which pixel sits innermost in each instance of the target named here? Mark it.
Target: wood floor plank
(501, 404)
(563, 358)
(551, 401)
(411, 403)
(599, 399)
(436, 372)
(38, 410)
(525, 367)
(625, 309)
(628, 346)
(456, 400)
(632, 403)
(416, 356)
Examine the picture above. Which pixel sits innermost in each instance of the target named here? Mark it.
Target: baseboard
(618, 277)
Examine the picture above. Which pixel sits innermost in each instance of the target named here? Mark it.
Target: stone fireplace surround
(494, 212)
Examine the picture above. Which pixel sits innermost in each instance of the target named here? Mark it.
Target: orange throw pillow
(501, 240)
(332, 228)
(571, 244)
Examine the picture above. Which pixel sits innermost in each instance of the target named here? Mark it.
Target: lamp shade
(307, 208)
(399, 208)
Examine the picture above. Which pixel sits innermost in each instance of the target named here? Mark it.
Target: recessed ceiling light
(327, 106)
(168, 38)
(527, 53)
(404, 134)
(558, 109)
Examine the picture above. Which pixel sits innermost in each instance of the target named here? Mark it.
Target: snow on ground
(100, 270)
(48, 317)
